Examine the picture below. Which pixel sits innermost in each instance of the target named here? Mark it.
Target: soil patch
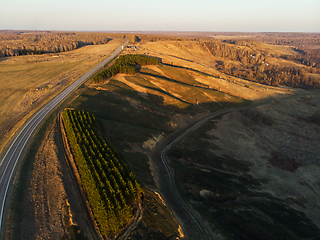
(285, 163)
(42, 214)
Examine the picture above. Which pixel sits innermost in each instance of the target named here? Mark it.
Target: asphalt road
(13, 154)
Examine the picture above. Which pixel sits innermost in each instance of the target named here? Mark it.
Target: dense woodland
(15, 43)
(241, 59)
(308, 57)
(290, 39)
(125, 64)
(305, 44)
(110, 187)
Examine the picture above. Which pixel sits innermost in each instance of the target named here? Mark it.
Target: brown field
(28, 81)
(47, 188)
(192, 54)
(237, 170)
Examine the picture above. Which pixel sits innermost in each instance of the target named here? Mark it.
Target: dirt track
(49, 183)
(193, 226)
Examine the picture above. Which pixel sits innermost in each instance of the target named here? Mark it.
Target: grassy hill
(227, 170)
(155, 102)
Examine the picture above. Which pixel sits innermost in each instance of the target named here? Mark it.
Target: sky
(162, 15)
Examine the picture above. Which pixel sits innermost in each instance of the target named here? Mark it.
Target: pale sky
(162, 15)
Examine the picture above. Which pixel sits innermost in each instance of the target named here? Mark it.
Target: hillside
(245, 59)
(253, 173)
(248, 174)
(185, 66)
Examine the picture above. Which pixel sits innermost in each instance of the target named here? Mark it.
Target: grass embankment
(110, 187)
(156, 216)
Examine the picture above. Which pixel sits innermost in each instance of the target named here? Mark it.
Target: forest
(125, 64)
(110, 187)
(251, 64)
(15, 43)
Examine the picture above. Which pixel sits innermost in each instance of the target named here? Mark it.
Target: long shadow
(190, 69)
(175, 81)
(184, 59)
(3, 59)
(166, 93)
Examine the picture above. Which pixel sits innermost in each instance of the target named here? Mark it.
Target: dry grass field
(255, 180)
(237, 172)
(192, 54)
(28, 81)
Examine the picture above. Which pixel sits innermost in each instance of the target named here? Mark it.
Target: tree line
(15, 43)
(308, 57)
(251, 64)
(125, 64)
(110, 187)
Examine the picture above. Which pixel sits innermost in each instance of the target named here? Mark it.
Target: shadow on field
(129, 120)
(190, 69)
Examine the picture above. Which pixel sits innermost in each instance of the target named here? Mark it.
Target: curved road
(193, 225)
(13, 154)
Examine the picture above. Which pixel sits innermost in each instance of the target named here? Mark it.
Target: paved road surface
(13, 154)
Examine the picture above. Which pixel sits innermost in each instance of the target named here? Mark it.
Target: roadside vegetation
(110, 187)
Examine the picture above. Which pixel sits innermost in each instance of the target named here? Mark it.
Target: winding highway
(10, 160)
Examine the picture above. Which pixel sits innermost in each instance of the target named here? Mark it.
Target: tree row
(110, 186)
(127, 64)
(14, 43)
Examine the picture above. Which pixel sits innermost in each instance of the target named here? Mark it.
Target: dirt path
(137, 219)
(192, 224)
(47, 187)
